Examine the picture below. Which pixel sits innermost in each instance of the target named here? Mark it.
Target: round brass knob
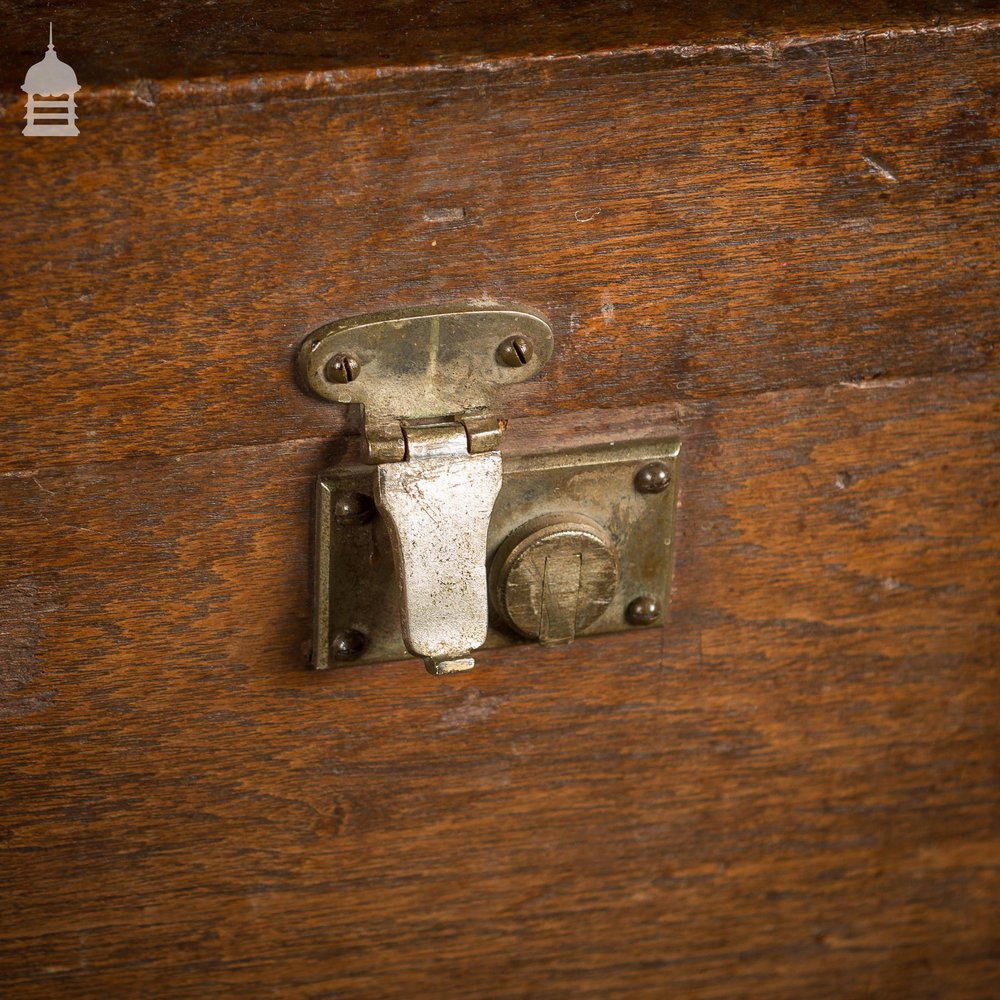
(554, 576)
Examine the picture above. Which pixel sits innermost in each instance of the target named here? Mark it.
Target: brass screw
(652, 478)
(515, 351)
(353, 508)
(643, 611)
(342, 368)
(348, 645)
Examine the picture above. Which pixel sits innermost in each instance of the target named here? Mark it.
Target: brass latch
(427, 380)
(443, 547)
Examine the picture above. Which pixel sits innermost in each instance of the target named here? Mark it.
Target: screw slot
(643, 611)
(652, 478)
(342, 368)
(515, 351)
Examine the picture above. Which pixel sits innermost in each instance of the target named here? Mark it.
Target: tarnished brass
(591, 491)
(554, 576)
(427, 380)
(418, 364)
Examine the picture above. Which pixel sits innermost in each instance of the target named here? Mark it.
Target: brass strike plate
(628, 490)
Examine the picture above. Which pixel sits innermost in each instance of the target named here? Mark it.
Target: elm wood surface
(109, 42)
(691, 230)
(791, 791)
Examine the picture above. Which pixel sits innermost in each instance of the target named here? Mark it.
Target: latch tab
(437, 505)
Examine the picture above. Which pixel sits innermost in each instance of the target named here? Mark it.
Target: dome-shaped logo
(51, 86)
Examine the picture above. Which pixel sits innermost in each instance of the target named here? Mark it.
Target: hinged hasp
(427, 380)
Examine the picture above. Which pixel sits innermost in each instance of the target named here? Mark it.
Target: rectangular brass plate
(356, 585)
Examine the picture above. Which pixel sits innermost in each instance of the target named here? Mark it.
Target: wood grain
(790, 791)
(772, 230)
(823, 211)
(109, 42)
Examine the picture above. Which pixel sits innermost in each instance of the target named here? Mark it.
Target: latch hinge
(472, 433)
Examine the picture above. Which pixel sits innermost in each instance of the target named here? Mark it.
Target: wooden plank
(110, 42)
(693, 231)
(789, 792)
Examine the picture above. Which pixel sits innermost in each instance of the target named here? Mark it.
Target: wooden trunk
(773, 234)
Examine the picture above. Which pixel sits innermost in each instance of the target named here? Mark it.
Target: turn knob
(554, 576)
